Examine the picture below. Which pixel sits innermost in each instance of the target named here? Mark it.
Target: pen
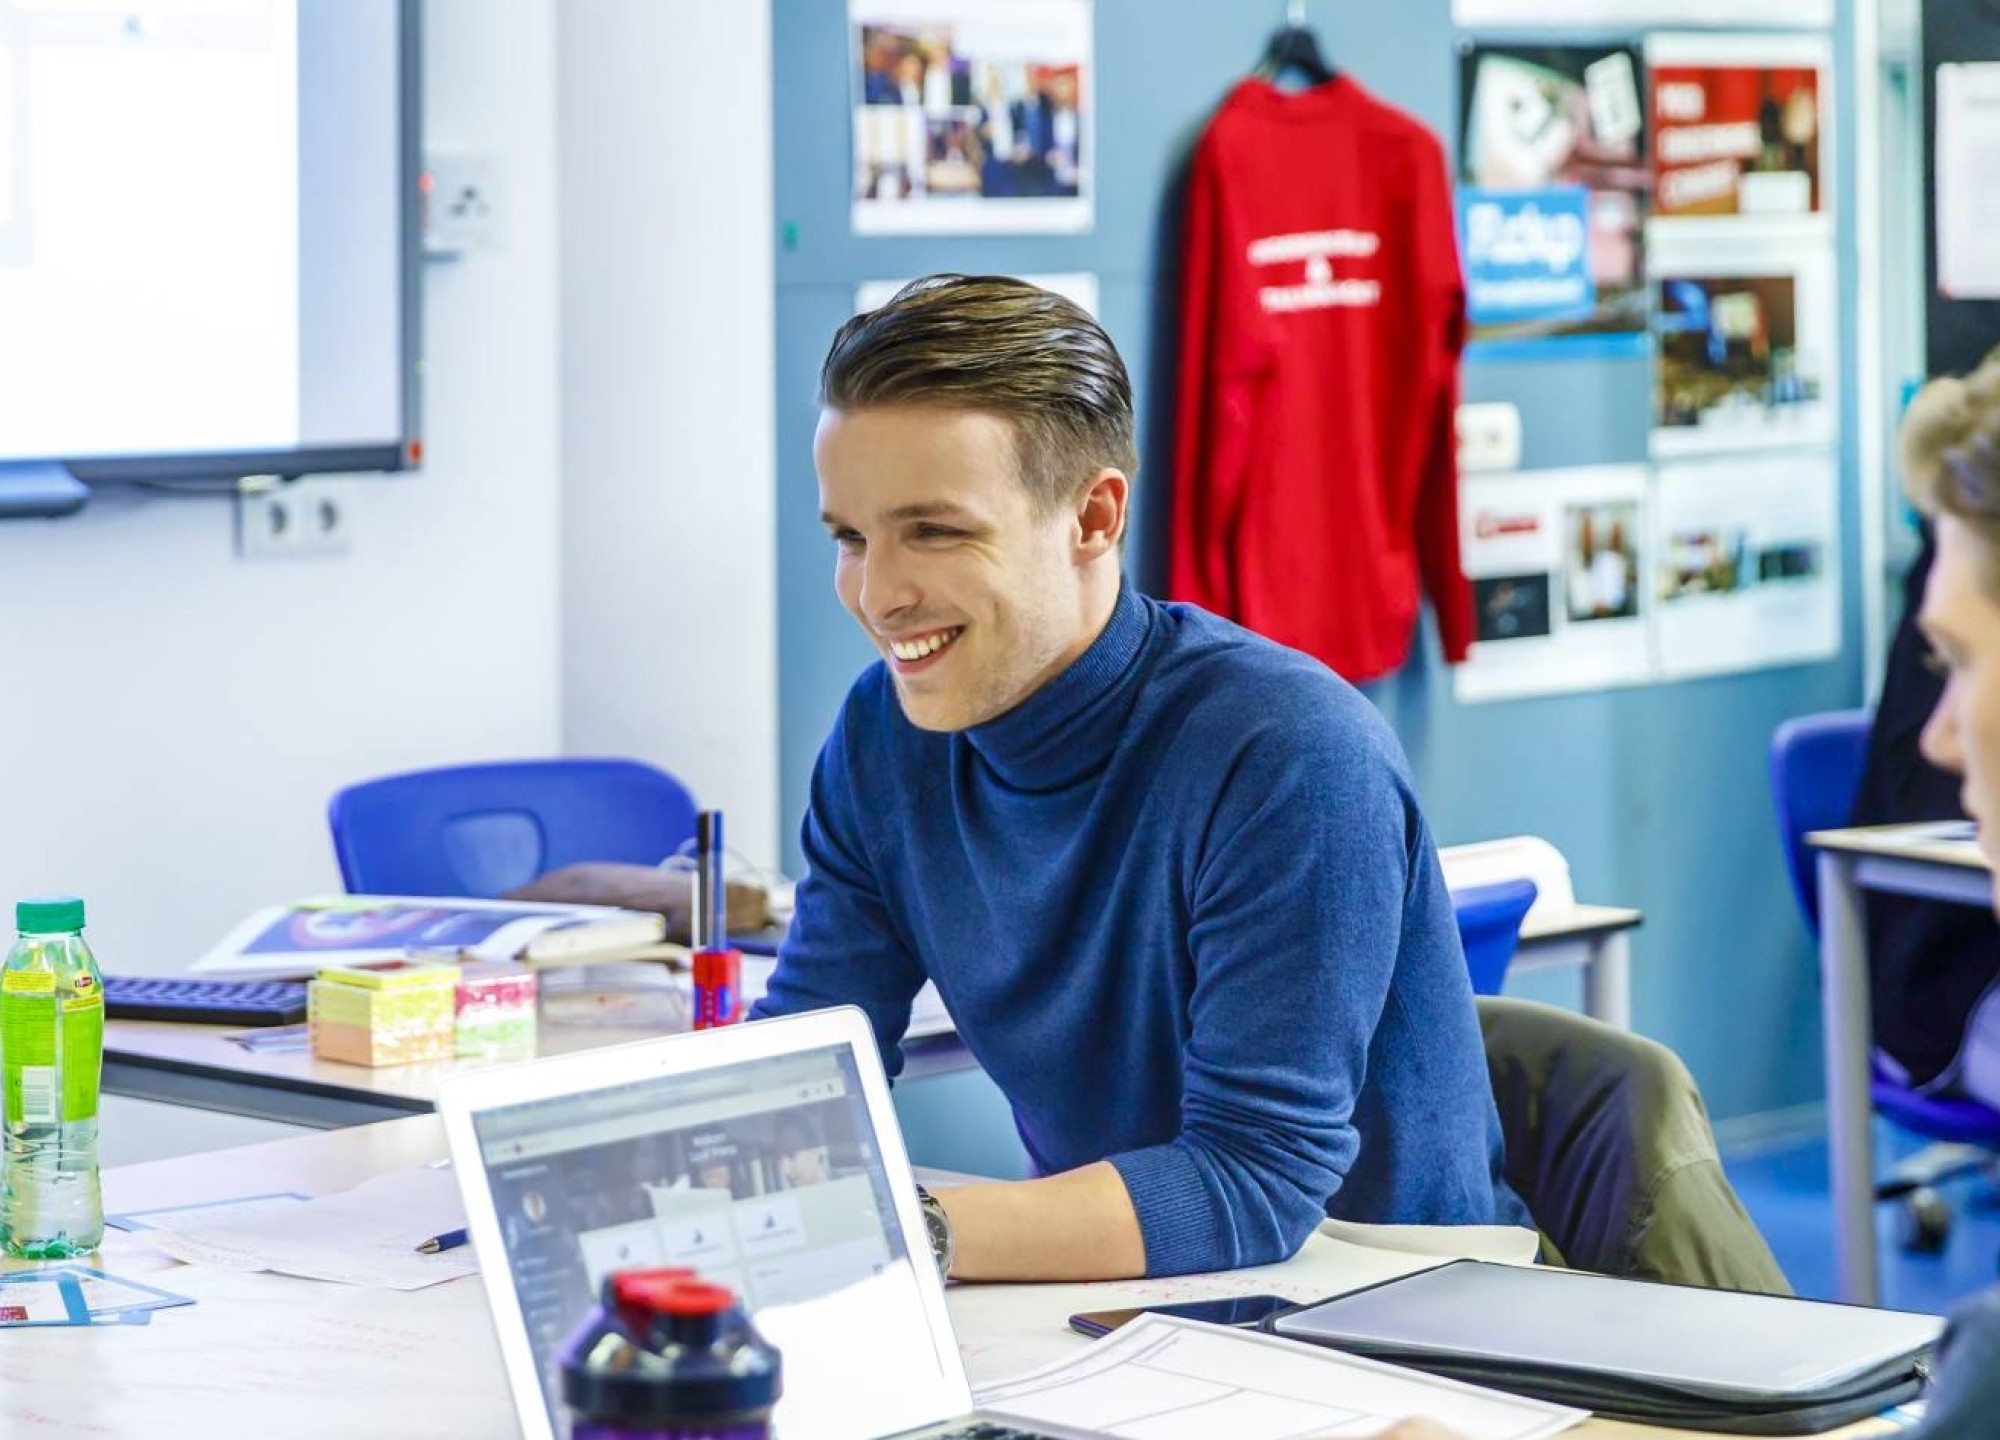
(450, 1240)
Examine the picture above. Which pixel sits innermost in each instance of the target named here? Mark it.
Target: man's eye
(847, 539)
(937, 532)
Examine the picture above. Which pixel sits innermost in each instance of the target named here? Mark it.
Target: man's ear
(1101, 513)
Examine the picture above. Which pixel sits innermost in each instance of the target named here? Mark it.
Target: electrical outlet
(304, 518)
(1489, 438)
(462, 205)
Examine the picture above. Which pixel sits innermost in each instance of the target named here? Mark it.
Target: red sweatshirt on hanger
(1315, 476)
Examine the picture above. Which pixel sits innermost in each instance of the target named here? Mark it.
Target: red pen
(718, 969)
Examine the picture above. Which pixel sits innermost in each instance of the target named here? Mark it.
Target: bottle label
(83, 1050)
(28, 1046)
(29, 1014)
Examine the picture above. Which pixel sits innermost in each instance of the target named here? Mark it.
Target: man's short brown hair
(1949, 447)
(1003, 347)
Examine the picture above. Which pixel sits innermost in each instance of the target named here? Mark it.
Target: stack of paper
(364, 1236)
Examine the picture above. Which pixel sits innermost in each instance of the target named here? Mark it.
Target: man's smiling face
(974, 598)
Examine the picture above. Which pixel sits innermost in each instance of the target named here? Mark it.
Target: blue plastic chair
(482, 830)
(1816, 763)
(1489, 928)
(1815, 767)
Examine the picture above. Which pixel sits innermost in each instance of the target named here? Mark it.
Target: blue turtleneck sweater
(1185, 912)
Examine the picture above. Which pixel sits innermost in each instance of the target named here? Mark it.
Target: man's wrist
(937, 1229)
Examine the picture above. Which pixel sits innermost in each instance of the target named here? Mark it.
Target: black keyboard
(204, 1002)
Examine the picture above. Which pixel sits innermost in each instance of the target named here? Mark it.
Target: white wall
(173, 719)
(669, 506)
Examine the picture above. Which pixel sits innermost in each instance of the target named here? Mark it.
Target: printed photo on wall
(971, 116)
(1557, 561)
(1746, 576)
(1744, 347)
(1738, 125)
(1552, 199)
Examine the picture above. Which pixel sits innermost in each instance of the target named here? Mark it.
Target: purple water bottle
(665, 1356)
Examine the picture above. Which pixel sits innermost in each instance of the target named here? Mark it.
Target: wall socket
(1489, 438)
(306, 517)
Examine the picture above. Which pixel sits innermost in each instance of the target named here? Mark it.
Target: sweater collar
(1070, 726)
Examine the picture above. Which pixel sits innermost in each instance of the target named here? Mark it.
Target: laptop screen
(762, 1175)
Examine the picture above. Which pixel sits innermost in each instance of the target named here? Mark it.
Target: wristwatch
(937, 1225)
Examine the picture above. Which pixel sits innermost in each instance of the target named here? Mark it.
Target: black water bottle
(666, 1356)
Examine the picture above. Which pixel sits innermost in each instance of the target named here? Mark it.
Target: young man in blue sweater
(1170, 878)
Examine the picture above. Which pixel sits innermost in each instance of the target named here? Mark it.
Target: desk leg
(1607, 980)
(1844, 1014)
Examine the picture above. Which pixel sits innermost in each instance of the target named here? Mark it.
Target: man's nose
(887, 587)
(1940, 741)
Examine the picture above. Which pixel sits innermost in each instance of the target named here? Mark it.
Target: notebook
(1710, 1359)
(765, 1156)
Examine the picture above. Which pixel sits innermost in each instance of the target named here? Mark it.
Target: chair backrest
(1489, 928)
(1816, 763)
(1609, 1145)
(482, 830)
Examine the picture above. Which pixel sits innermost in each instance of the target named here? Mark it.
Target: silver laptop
(767, 1157)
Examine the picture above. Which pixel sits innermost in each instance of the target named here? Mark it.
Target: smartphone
(1245, 1311)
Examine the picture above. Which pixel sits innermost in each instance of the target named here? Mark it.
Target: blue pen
(450, 1240)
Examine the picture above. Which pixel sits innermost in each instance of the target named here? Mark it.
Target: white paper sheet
(1968, 181)
(1020, 1326)
(364, 1236)
(1167, 1379)
(1747, 563)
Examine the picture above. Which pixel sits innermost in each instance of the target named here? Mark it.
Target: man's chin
(935, 713)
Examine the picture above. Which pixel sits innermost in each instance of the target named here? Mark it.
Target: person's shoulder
(1226, 683)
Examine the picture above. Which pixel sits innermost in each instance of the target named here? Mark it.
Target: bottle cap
(48, 914)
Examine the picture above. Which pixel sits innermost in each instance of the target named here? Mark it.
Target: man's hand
(1079, 1225)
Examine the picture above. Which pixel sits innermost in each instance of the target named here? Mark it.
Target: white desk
(1901, 860)
(263, 1355)
(201, 1067)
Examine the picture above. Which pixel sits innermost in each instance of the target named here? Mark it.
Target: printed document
(1162, 1378)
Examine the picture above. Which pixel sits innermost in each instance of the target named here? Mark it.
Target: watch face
(934, 1223)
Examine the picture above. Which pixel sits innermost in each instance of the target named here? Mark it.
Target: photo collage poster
(1740, 245)
(972, 117)
(1716, 258)
(1601, 576)
(1551, 199)
(1557, 565)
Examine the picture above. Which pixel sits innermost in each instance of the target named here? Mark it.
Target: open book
(296, 941)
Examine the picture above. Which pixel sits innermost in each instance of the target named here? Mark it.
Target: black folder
(1638, 1350)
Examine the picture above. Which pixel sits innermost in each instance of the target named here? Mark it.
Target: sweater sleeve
(1966, 1397)
(1437, 495)
(842, 948)
(1213, 398)
(1296, 923)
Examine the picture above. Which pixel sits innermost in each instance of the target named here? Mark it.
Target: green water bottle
(51, 1059)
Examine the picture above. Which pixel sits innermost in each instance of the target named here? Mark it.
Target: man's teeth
(918, 649)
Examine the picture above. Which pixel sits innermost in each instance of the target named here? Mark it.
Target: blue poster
(1552, 199)
(1527, 255)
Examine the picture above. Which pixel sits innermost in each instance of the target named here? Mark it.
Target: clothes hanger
(1294, 47)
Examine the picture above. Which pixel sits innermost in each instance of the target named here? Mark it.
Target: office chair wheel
(1924, 1223)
